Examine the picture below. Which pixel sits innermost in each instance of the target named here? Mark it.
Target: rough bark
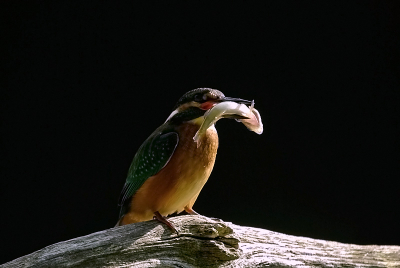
(204, 242)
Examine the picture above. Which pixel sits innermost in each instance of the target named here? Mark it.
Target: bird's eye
(200, 97)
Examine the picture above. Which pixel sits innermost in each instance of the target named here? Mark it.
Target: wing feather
(153, 155)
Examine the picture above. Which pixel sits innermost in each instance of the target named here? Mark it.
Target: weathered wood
(204, 242)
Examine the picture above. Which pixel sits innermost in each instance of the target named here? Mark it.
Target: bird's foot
(162, 219)
(191, 211)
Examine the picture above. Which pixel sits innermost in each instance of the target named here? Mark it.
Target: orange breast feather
(178, 184)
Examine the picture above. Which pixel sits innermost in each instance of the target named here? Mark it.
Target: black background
(85, 82)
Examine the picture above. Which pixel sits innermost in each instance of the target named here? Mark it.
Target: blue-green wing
(151, 157)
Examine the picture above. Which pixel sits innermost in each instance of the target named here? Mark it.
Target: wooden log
(204, 242)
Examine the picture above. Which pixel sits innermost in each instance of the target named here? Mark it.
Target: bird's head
(193, 104)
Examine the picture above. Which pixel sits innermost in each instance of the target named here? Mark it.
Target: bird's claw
(162, 219)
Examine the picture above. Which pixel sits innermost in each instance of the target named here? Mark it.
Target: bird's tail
(119, 222)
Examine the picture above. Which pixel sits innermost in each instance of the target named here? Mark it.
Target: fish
(249, 116)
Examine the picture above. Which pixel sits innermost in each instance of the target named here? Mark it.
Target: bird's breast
(181, 180)
(202, 154)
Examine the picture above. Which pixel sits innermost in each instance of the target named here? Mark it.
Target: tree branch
(204, 242)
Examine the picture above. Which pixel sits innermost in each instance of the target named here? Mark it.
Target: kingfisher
(169, 169)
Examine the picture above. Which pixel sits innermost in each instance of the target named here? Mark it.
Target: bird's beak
(209, 104)
(235, 100)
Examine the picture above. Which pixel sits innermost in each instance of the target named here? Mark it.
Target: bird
(170, 169)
